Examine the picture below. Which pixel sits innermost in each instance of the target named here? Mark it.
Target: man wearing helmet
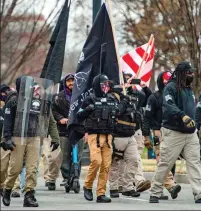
(100, 110)
(179, 134)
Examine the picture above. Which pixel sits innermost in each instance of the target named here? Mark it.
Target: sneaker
(143, 186)
(153, 199)
(114, 193)
(174, 191)
(103, 199)
(131, 193)
(64, 182)
(15, 194)
(88, 194)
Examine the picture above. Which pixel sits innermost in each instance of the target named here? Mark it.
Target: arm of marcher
(198, 116)
(52, 129)
(169, 105)
(85, 109)
(9, 119)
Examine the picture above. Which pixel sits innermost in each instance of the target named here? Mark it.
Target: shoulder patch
(199, 105)
(148, 107)
(7, 111)
(168, 97)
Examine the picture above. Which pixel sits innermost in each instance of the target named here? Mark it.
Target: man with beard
(153, 120)
(60, 109)
(179, 135)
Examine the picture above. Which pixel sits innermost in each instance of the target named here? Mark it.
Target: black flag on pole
(53, 66)
(98, 55)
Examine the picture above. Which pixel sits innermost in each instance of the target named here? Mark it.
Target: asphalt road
(59, 200)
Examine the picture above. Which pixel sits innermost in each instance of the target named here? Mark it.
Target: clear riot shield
(33, 107)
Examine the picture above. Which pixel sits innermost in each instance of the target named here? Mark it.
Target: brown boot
(143, 186)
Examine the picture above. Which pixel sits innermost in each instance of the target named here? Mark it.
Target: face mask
(189, 80)
(105, 87)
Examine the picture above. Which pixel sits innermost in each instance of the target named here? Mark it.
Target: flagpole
(116, 48)
(151, 40)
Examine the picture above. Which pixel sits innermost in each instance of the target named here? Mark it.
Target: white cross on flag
(131, 62)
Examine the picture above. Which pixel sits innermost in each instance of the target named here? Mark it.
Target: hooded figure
(153, 110)
(100, 110)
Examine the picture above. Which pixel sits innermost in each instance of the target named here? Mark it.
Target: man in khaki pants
(153, 121)
(100, 111)
(5, 158)
(179, 135)
(23, 126)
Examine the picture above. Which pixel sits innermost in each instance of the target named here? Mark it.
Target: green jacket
(52, 129)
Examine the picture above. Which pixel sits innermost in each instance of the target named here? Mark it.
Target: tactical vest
(103, 118)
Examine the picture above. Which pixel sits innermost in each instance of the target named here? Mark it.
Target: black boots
(174, 191)
(114, 193)
(103, 199)
(88, 194)
(131, 193)
(51, 185)
(153, 199)
(15, 194)
(30, 200)
(6, 197)
(198, 201)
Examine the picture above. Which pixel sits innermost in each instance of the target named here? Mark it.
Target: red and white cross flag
(130, 62)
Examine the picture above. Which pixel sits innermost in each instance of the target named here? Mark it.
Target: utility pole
(96, 7)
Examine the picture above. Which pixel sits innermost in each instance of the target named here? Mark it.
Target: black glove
(89, 107)
(54, 145)
(8, 145)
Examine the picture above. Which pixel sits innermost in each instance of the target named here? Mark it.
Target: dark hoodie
(61, 105)
(153, 111)
(92, 125)
(177, 104)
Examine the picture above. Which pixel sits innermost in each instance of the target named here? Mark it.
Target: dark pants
(66, 165)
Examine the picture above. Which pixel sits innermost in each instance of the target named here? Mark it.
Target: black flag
(98, 55)
(53, 66)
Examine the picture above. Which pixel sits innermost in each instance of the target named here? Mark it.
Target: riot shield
(33, 107)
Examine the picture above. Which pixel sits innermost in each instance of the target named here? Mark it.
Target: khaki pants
(139, 176)
(169, 182)
(101, 158)
(173, 144)
(5, 158)
(131, 159)
(28, 151)
(51, 161)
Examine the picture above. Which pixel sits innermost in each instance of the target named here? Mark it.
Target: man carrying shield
(24, 122)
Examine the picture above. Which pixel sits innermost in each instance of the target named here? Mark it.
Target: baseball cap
(184, 66)
(70, 76)
(4, 88)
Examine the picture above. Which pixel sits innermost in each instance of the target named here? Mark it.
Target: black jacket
(177, 104)
(153, 111)
(198, 114)
(60, 110)
(100, 124)
(1, 120)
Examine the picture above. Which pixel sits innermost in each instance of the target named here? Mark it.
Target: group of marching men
(119, 121)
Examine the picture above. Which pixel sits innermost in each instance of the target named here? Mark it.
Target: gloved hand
(8, 145)
(147, 142)
(188, 121)
(54, 145)
(89, 107)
